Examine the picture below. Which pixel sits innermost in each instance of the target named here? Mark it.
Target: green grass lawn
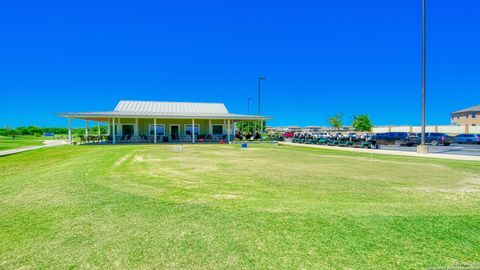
(142, 207)
(21, 141)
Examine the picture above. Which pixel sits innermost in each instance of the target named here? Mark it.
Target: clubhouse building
(155, 122)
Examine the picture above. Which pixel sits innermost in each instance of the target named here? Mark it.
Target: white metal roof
(170, 107)
(157, 109)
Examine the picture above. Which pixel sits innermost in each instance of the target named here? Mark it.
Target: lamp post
(423, 148)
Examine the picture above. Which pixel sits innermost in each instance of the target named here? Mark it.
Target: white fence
(444, 129)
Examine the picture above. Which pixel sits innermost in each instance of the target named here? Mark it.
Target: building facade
(155, 121)
(466, 117)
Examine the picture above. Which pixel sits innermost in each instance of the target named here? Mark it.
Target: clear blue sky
(321, 57)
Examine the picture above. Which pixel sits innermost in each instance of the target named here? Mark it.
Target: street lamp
(423, 148)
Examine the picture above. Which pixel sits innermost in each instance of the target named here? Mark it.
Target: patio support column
(69, 130)
(193, 130)
(210, 126)
(98, 128)
(224, 127)
(154, 130)
(135, 129)
(114, 138)
(86, 128)
(261, 129)
(108, 127)
(234, 133)
(228, 131)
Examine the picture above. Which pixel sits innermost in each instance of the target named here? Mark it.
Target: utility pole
(423, 148)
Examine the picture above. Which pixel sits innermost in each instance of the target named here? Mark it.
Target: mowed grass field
(21, 141)
(143, 207)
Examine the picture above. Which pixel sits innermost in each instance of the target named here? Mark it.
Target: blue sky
(320, 57)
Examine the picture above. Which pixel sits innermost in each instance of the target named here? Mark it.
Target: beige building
(466, 117)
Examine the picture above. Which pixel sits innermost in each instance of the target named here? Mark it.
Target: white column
(86, 127)
(114, 137)
(193, 130)
(135, 129)
(70, 130)
(228, 130)
(224, 126)
(210, 126)
(154, 130)
(108, 127)
(98, 128)
(234, 133)
(261, 129)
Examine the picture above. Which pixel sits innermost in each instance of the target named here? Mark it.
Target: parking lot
(454, 149)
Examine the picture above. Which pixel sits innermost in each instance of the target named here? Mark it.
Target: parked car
(436, 138)
(288, 134)
(397, 138)
(468, 138)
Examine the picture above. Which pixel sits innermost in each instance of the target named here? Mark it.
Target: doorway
(174, 131)
(127, 130)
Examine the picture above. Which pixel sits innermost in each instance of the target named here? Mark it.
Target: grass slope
(126, 207)
(20, 141)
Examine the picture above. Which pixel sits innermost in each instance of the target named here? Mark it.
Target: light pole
(423, 148)
(260, 78)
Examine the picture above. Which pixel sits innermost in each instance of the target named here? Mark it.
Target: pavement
(458, 153)
(48, 143)
(454, 149)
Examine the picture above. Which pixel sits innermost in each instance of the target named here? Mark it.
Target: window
(188, 129)
(466, 115)
(217, 129)
(160, 129)
(474, 115)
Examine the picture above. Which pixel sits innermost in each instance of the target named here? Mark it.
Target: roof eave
(233, 117)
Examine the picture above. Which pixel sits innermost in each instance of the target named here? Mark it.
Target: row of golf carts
(366, 141)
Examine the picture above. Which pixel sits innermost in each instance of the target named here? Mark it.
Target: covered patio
(163, 122)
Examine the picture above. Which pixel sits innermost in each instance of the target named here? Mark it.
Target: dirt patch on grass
(224, 196)
(122, 160)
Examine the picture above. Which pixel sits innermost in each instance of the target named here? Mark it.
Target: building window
(160, 129)
(217, 129)
(474, 115)
(188, 130)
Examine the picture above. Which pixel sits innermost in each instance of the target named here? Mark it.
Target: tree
(249, 126)
(336, 121)
(362, 122)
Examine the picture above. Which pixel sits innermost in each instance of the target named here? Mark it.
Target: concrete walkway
(385, 152)
(48, 143)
